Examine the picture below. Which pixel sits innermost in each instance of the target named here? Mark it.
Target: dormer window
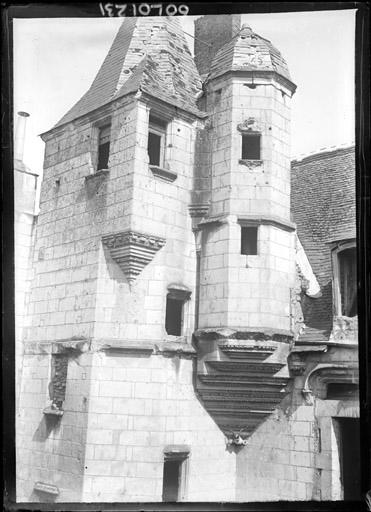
(348, 281)
(103, 146)
(250, 146)
(156, 141)
(345, 279)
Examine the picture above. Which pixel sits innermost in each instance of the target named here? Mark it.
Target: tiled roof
(147, 53)
(248, 51)
(324, 209)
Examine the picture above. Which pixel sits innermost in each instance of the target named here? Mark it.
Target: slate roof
(248, 51)
(150, 54)
(324, 208)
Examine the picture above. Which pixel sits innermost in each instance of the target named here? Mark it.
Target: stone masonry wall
(137, 406)
(50, 449)
(295, 454)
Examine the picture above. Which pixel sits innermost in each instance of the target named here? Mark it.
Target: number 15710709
(121, 10)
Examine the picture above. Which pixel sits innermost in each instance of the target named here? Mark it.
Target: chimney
(211, 33)
(20, 132)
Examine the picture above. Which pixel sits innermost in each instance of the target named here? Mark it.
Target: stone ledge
(261, 334)
(102, 173)
(51, 411)
(159, 347)
(163, 174)
(254, 220)
(46, 488)
(62, 346)
(251, 164)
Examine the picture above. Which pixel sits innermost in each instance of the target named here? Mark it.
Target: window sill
(250, 163)
(163, 174)
(51, 411)
(98, 174)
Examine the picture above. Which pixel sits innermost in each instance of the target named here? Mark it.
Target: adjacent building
(180, 341)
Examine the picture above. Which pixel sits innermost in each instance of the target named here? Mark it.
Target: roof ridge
(321, 151)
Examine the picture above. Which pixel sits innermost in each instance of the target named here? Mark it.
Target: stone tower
(162, 304)
(246, 240)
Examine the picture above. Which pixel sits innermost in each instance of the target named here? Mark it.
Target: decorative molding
(296, 311)
(53, 410)
(255, 220)
(344, 329)
(236, 438)
(250, 125)
(242, 377)
(46, 488)
(327, 373)
(261, 334)
(163, 174)
(176, 451)
(296, 365)
(251, 164)
(198, 210)
(132, 251)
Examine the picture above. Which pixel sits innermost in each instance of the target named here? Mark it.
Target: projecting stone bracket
(242, 377)
(132, 251)
(163, 174)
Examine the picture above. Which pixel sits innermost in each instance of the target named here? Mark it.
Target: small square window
(156, 141)
(103, 146)
(249, 240)
(250, 146)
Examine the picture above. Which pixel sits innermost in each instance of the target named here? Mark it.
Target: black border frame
(55, 9)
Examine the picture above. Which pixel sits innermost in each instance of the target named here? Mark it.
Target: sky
(56, 59)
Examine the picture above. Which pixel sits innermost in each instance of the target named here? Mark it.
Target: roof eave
(256, 73)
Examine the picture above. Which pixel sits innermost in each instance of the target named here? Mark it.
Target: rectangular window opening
(103, 147)
(250, 146)
(174, 316)
(171, 480)
(348, 281)
(249, 240)
(156, 141)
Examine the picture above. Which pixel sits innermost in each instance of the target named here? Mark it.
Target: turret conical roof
(247, 51)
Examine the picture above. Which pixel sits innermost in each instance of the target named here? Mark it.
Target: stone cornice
(256, 334)
(132, 250)
(267, 219)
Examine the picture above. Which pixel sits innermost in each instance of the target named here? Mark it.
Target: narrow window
(171, 480)
(174, 316)
(249, 240)
(174, 483)
(156, 141)
(348, 281)
(103, 147)
(250, 146)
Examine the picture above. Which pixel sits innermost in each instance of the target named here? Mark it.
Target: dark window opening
(249, 240)
(350, 457)
(341, 390)
(348, 281)
(103, 147)
(156, 141)
(171, 480)
(174, 316)
(154, 148)
(250, 146)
